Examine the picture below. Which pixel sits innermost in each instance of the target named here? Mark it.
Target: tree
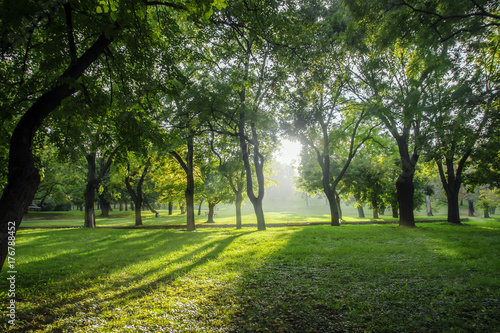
(69, 40)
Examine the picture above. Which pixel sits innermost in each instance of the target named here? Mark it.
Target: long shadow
(106, 251)
(364, 279)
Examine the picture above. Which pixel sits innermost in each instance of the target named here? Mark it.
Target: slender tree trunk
(486, 212)
(189, 192)
(137, 195)
(89, 221)
(120, 206)
(238, 202)
(190, 187)
(307, 199)
(211, 209)
(428, 205)
(395, 211)
(199, 206)
(182, 209)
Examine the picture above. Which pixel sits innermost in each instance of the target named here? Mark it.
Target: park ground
(368, 278)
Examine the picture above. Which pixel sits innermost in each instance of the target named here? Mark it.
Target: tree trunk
(190, 221)
(211, 208)
(89, 221)
(334, 209)
(170, 207)
(428, 205)
(137, 194)
(405, 190)
(404, 184)
(395, 212)
(105, 206)
(238, 202)
(451, 183)
(374, 207)
(23, 177)
(486, 212)
(471, 207)
(188, 167)
(199, 206)
(307, 199)
(182, 208)
(361, 211)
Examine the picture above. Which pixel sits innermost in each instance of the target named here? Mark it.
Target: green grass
(275, 212)
(378, 278)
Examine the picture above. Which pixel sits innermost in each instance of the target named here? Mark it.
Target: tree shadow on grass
(342, 280)
(71, 282)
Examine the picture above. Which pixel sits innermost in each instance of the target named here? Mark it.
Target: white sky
(289, 151)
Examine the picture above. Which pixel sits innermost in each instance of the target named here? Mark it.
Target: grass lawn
(275, 212)
(378, 278)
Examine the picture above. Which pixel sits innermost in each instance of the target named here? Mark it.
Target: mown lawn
(378, 278)
(275, 212)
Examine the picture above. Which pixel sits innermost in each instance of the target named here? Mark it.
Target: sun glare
(289, 152)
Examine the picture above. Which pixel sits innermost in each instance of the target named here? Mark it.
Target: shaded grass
(438, 277)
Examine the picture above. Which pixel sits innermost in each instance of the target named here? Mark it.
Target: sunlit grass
(275, 213)
(438, 277)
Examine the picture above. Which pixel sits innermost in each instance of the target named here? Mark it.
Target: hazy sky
(289, 151)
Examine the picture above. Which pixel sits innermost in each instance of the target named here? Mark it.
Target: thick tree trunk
(404, 184)
(89, 217)
(211, 210)
(170, 207)
(23, 177)
(361, 211)
(105, 206)
(334, 209)
(428, 205)
(451, 183)
(374, 208)
(486, 212)
(395, 211)
(405, 190)
(453, 208)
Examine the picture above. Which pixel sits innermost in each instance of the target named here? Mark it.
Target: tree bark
(137, 194)
(89, 217)
(23, 177)
(334, 209)
(428, 205)
(238, 202)
(452, 180)
(199, 206)
(405, 190)
(170, 207)
(211, 209)
(188, 167)
(361, 211)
